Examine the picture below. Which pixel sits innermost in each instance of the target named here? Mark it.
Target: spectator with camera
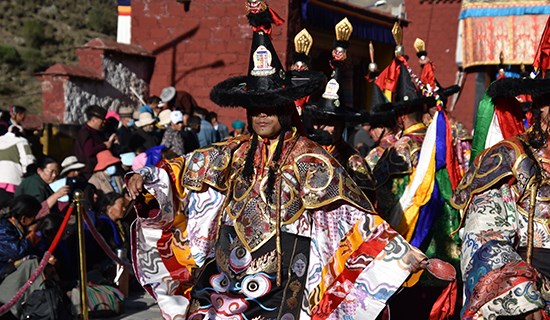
(37, 185)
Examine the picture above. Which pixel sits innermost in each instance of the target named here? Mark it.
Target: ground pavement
(139, 306)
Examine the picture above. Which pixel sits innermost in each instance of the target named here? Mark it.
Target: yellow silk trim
(422, 196)
(413, 128)
(388, 94)
(183, 255)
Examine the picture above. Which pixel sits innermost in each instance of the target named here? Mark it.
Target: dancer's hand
(135, 185)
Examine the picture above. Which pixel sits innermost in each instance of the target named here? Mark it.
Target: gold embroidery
(266, 263)
(295, 286)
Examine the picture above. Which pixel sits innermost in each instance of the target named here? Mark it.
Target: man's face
(148, 128)
(265, 122)
(96, 123)
(177, 126)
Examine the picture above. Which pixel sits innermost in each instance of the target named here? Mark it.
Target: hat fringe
(510, 87)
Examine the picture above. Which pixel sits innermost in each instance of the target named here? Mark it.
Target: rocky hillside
(35, 34)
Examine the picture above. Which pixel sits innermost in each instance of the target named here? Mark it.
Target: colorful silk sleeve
(497, 282)
(173, 237)
(357, 262)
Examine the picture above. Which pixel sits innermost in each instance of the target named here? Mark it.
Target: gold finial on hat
(343, 30)
(372, 65)
(397, 32)
(419, 45)
(303, 42)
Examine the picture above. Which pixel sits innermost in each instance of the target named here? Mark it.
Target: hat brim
(144, 123)
(74, 166)
(233, 91)
(513, 87)
(328, 116)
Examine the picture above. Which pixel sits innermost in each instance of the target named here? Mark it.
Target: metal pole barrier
(79, 200)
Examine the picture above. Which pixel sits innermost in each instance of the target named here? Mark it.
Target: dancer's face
(265, 122)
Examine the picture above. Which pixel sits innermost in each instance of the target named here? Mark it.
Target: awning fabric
(489, 27)
(318, 15)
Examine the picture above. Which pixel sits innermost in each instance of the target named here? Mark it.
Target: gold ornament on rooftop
(303, 42)
(343, 30)
(397, 32)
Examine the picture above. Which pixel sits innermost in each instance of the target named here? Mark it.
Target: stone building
(108, 74)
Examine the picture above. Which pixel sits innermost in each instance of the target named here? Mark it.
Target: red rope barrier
(4, 308)
(103, 244)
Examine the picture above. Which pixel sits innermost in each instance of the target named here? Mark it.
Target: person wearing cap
(126, 128)
(255, 227)
(238, 128)
(329, 117)
(106, 175)
(70, 167)
(144, 137)
(172, 138)
(168, 98)
(89, 141)
(127, 160)
(163, 120)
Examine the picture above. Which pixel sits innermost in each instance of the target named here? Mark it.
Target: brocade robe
(205, 242)
(495, 197)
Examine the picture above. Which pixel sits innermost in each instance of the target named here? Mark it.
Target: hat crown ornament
(343, 30)
(266, 83)
(303, 42)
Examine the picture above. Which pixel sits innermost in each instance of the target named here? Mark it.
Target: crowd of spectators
(36, 190)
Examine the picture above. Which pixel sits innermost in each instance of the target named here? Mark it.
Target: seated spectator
(238, 128)
(190, 134)
(116, 233)
(69, 176)
(163, 123)
(17, 238)
(70, 167)
(106, 177)
(172, 138)
(37, 186)
(127, 159)
(15, 156)
(90, 141)
(144, 137)
(206, 133)
(221, 129)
